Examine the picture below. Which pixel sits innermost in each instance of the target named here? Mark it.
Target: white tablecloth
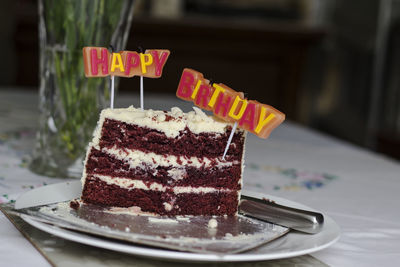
(357, 188)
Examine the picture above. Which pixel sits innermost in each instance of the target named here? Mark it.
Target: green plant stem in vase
(69, 102)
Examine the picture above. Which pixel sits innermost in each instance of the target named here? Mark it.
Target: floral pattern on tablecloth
(283, 178)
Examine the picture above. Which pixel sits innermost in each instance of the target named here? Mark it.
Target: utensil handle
(266, 210)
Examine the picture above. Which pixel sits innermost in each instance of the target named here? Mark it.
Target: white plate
(292, 244)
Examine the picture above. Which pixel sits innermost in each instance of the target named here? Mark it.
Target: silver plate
(233, 234)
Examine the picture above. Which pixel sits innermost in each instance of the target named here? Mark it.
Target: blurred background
(331, 65)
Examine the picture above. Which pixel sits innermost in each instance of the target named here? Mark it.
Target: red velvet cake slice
(168, 163)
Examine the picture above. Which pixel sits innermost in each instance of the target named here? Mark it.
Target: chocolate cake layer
(124, 135)
(99, 192)
(225, 177)
(167, 163)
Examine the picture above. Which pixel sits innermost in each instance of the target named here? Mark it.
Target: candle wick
(141, 93)
(111, 47)
(141, 84)
(112, 93)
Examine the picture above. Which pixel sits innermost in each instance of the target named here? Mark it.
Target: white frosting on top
(197, 121)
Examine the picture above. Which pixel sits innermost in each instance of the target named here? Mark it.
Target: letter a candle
(228, 105)
(99, 62)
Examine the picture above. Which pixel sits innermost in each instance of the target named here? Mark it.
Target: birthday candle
(229, 139)
(99, 62)
(228, 104)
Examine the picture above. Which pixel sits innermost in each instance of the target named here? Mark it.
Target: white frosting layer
(139, 184)
(137, 158)
(197, 121)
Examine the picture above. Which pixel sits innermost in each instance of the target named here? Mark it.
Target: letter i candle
(228, 105)
(99, 62)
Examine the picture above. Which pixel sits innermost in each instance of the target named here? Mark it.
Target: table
(357, 188)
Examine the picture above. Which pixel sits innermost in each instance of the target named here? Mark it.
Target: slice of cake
(168, 163)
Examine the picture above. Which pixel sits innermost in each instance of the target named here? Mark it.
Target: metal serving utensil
(301, 220)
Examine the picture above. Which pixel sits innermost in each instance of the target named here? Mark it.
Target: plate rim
(159, 253)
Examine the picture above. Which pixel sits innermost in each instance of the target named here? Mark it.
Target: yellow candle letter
(144, 63)
(234, 107)
(261, 121)
(116, 62)
(218, 89)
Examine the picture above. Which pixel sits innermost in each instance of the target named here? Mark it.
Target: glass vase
(69, 102)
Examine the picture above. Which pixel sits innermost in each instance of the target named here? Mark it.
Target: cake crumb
(167, 206)
(268, 200)
(212, 223)
(74, 204)
(228, 235)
